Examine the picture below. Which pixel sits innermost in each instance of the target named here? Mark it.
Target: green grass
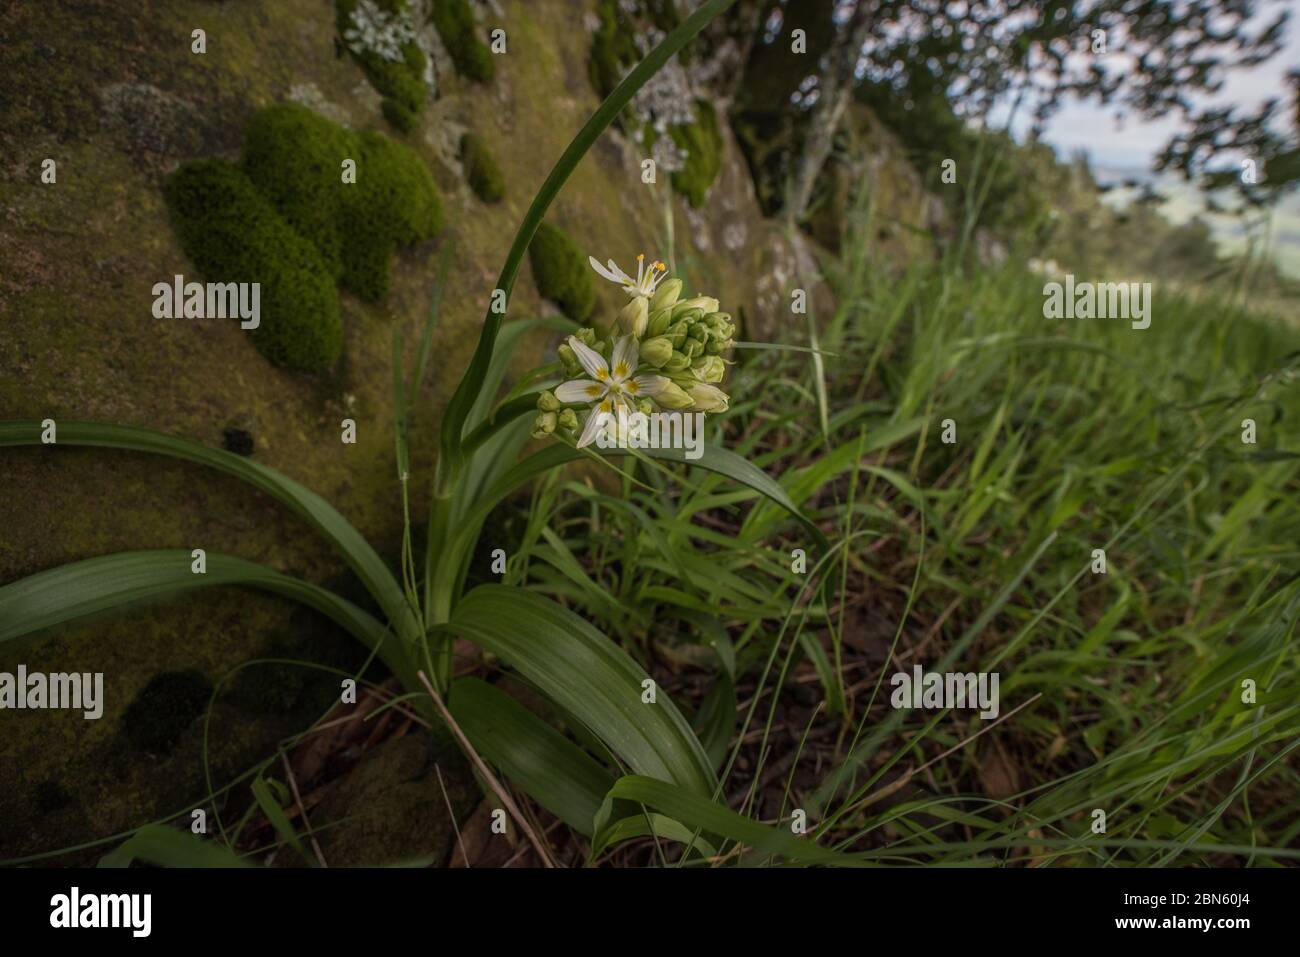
(1071, 436)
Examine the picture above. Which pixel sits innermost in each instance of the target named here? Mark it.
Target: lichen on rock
(381, 36)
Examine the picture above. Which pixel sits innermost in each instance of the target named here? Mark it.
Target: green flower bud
(657, 351)
(684, 310)
(633, 317)
(666, 294)
(679, 362)
(720, 325)
(659, 322)
(677, 332)
(709, 398)
(692, 348)
(674, 396)
(544, 425)
(571, 365)
(547, 401)
(568, 420)
(715, 347)
(709, 369)
(587, 336)
(645, 407)
(703, 303)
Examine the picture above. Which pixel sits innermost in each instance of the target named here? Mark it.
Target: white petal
(595, 264)
(647, 385)
(580, 390)
(622, 276)
(596, 420)
(626, 353)
(590, 359)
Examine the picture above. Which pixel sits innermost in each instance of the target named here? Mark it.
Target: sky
(1127, 147)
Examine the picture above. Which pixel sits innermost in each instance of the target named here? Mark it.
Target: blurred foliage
(481, 169)
(561, 271)
(454, 21)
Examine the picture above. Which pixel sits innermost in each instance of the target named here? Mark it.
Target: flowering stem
(463, 399)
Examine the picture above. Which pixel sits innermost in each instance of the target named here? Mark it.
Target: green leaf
(356, 551)
(716, 721)
(168, 847)
(587, 675)
(108, 582)
(644, 825)
(700, 813)
(275, 814)
(532, 755)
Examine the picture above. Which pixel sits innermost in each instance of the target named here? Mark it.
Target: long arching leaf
(589, 676)
(356, 551)
(534, 756)
(110, 582)
(711, 818)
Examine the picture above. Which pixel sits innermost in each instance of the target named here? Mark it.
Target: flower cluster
(666, 354)
(376, 31)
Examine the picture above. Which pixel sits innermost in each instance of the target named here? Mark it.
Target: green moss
(401, 82)
(481, 169)
(164, 708)
(561, 272)
(233, 234)
(454, 21)
(397, 114)
(702, 141)
(612, 48)
(295, 157)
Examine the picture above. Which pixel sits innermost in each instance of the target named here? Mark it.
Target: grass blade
(587, 675)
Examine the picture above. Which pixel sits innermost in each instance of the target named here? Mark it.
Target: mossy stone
(397, 114)
(234, 234)
(296, 156)
(702, 141)
(454, 21)
(612, 48)
(561, 272)
(159, 715)
(401, 82)
(481, 169)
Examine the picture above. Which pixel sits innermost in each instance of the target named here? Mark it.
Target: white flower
(646, 281)
(610, 385)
